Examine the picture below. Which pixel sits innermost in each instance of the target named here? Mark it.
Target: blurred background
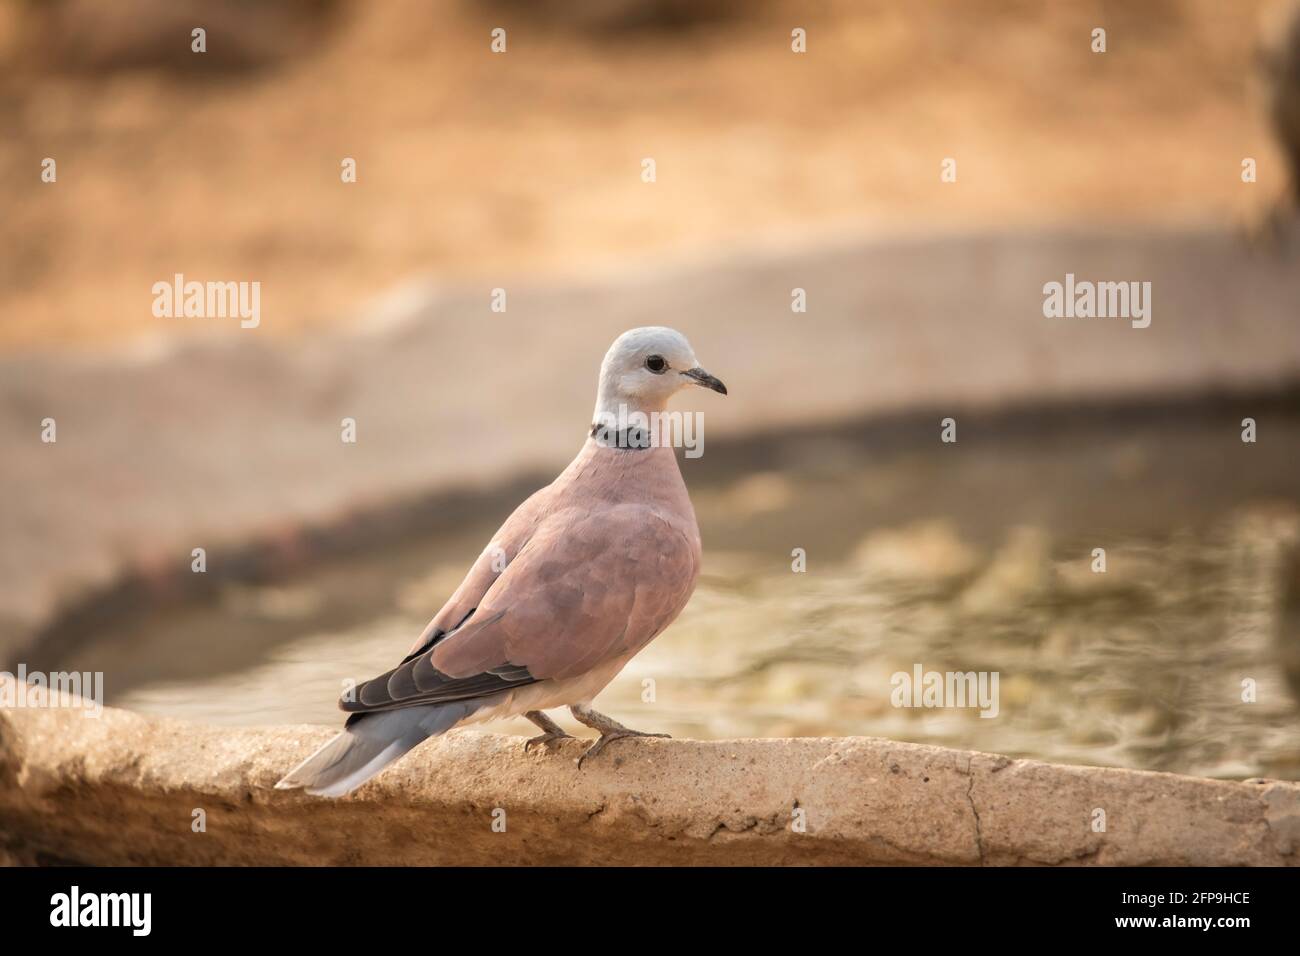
(775, 170)
(528, 163)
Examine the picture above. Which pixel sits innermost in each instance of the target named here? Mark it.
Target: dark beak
(704, 378)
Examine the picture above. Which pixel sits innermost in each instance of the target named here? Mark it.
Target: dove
(582, 576)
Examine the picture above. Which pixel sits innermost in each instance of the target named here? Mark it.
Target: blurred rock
(624, 15)
(1280, 55)
(1288, 629)
(1020, 570)
(96, 37)
(928, 550)
(755, 494)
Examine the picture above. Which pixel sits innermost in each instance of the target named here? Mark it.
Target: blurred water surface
(954, 560)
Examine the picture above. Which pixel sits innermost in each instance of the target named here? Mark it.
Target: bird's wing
(588, 586)
(489, 566)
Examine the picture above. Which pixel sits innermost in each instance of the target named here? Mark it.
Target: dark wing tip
(418, 682)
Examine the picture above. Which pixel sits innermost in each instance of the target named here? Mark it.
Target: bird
(582, 575)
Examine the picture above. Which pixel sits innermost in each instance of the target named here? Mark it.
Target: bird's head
(647, 366)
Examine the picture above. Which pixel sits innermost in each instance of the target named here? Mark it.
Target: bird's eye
(656, 364)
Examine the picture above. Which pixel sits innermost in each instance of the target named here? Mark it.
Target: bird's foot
(546, 740)
(605, 739)
(610, 729)
(553, 731)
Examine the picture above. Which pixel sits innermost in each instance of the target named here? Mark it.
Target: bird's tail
(369, 744)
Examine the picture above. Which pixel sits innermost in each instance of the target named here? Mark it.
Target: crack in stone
(979, 831)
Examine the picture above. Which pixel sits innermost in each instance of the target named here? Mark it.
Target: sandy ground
(490, 167)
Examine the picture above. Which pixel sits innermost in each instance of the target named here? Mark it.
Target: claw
(546, 740)
(605, 739)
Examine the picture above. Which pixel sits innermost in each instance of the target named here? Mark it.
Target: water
(975, 558)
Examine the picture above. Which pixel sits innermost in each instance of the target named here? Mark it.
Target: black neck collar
(629, 439)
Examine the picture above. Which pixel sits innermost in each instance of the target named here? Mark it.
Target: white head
(644, 368)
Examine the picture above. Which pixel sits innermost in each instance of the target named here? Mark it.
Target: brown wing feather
(588, 586)
(585, 588)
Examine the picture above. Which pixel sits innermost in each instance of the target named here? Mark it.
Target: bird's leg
(609, 728)
(553, 730)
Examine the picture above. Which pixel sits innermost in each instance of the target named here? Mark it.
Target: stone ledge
(121, 789)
